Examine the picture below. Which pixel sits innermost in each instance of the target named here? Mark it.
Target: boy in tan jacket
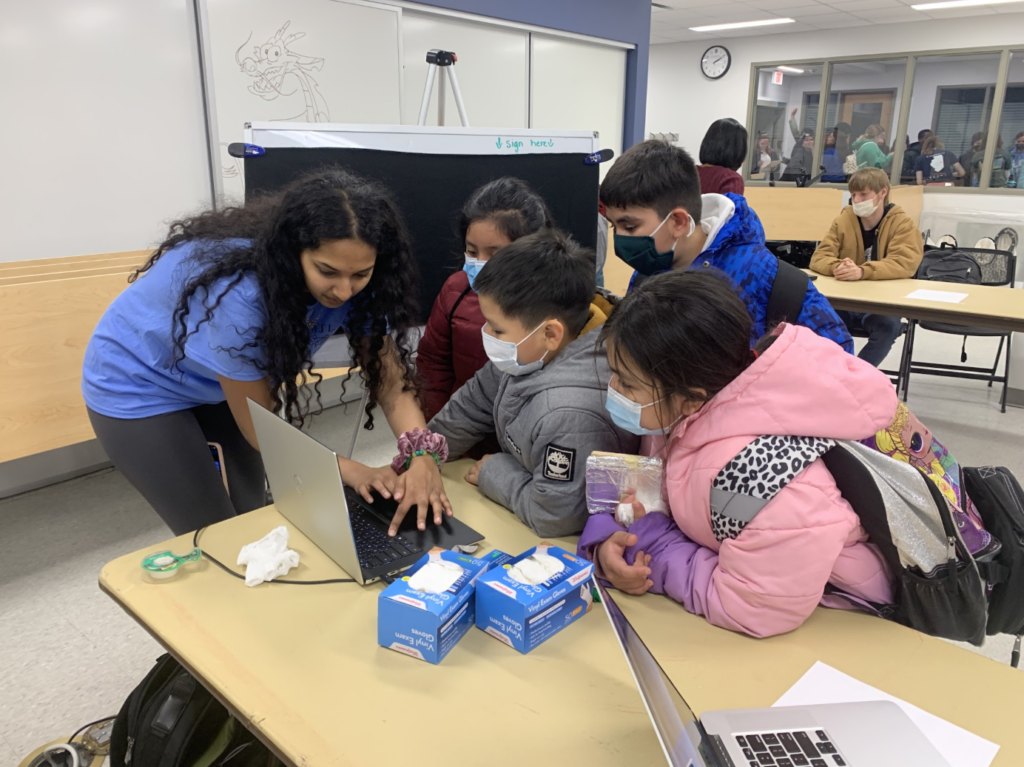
(871, 239)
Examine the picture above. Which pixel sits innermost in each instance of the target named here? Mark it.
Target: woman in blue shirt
(233, 304)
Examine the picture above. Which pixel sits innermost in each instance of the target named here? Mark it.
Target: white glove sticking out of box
(537, 568)
(268, 558)
(435, 577)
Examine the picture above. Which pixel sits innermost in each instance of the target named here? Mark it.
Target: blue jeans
(882, 332)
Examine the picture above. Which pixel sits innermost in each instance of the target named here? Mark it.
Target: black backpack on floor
(171, 720)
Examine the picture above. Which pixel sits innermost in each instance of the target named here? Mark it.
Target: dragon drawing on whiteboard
(281, 73)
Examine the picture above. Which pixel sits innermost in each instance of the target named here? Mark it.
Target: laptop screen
(677, 727)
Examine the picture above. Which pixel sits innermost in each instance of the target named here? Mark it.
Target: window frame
(907, 95)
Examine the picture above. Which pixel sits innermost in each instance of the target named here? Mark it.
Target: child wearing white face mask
(872, 239)
(450, 351)
(543, 390)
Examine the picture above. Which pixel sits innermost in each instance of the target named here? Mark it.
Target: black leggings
(167, 459)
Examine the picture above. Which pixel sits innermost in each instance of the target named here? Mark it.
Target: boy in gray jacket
(543, 390)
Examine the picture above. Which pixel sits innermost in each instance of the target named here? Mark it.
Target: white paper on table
(824, 684)
(946, 296)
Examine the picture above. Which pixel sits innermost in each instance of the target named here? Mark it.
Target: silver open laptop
(874, 734)
(308, 491)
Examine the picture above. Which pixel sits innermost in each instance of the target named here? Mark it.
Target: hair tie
(755, 353)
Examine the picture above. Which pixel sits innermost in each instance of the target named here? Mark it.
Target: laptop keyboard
(373, 545)
(795, 748)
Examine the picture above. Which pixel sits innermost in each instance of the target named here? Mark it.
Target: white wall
(104, 122)
(681, 100)
(102, 125)
(595, 98)
(488, 54)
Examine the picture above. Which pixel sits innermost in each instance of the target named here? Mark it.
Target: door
(865, 108)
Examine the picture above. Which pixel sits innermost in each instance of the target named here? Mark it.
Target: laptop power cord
(229, 571)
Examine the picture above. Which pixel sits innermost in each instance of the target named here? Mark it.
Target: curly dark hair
(266, 238)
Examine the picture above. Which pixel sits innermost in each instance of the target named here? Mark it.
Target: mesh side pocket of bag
(949, 605)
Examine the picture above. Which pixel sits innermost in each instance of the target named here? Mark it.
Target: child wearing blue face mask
(451, 350)
(754, 527)
(543, 391)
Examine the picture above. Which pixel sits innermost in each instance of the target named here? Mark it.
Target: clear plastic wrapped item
(613, 476)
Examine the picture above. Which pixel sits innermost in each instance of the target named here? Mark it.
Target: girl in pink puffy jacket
(683, 369)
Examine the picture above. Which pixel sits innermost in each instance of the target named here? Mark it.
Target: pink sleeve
(769, 579)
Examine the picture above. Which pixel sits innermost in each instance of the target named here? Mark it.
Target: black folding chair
(998, 267)
(896, 376)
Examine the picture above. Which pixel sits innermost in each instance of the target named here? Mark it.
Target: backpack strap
(757, 474)
(787, 297)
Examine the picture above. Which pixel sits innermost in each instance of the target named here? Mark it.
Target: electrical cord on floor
(229, 571)
(85, 727)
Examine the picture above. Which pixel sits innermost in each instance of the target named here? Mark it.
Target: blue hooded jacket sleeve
(739, 251)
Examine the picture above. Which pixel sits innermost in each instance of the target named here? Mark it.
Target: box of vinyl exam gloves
(430, 608)
(534, 596)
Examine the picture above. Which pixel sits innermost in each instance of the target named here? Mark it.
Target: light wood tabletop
(998, 308)
(301, 665)
(716, 669)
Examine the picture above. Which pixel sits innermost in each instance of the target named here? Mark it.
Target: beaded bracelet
(418, 454)
(417, 443)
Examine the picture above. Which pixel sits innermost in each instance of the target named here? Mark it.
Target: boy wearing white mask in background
(543, 390)
(872, 239)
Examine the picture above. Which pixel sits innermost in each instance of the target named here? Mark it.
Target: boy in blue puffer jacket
(662, 222)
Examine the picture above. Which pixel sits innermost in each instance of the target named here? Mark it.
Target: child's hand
(473, 475)
(611, 561)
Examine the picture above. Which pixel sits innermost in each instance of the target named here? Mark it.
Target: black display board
(431, 188)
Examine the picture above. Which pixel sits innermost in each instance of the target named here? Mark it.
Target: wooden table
(999, 308)
(716, 669)
(301, 665)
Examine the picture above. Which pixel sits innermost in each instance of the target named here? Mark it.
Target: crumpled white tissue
(535, 569)
(268, 558)
(435, 577)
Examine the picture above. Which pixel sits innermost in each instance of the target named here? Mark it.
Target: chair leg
(359, 422)
(1006, 373)
(900, 373)
(908, 358)
(995, 365)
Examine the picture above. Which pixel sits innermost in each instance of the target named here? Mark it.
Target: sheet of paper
(947, 297)
(824, 684)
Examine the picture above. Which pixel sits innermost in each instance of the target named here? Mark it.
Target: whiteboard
(487, 55)
(579, 85)
(425, 139)
(306, 60)
(102, 126)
